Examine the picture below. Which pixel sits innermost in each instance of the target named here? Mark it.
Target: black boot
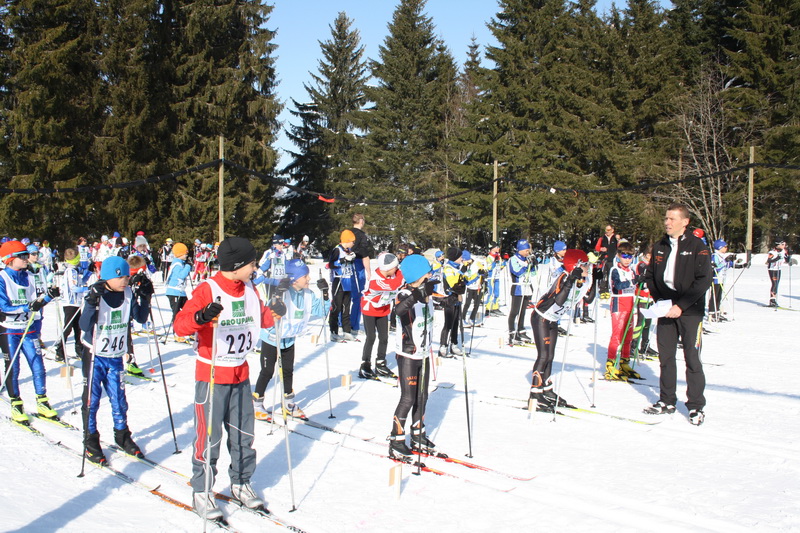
(123, 439)
(398, 448)
(94, 452)
(552, 396)
(365, 372)
(384, 371)
(420, 441)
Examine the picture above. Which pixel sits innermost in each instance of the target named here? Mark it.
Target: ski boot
(455, 350)
(420, 441)
(772, 302)
(627, 371)
(384, 371)
(524, 336)
(288, 395)
(398, 449)
(613, 373)
(259, 410)
(205, 507)
(513, 339)
(562, 332)
(365, 372)
(123, 439)
(696, 417)
(60, 355)
(542, 402)
(92, 449)
(43, 406)
(294, 411)
(659, 408)
(245, 494)
(132, 368)
(551, 397)
(605, 295)
(18, 411)
(444, 352)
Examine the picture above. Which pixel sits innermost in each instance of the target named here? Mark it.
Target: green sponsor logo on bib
(116, 317)
(237, 309)
(22, 295)
(298, 313)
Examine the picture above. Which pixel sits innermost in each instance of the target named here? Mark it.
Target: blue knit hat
(33, 249)
(414, 267)
(466, 256)
(559, 246)
(522, 244)
(114, 267)
(296, 269)
(719, 244)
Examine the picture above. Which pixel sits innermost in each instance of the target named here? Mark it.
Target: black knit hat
(453, 253)
(234, 253)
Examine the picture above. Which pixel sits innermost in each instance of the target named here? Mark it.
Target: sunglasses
(24, 256)
(626, 256)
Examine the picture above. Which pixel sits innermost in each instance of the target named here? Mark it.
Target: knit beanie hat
(453, 254)
(466, 256)
(114, 267)
(140, 240)
(559, 246)
(296, 269)
(719, 244)
(574, 257)
(179, 249)
(347, 236)
(234, 253)
(522, 244)
(414, 267)
(387, 261)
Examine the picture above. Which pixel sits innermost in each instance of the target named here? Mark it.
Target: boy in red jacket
(376, 305)
(227, 315)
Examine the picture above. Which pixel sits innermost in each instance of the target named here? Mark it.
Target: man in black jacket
(680, 271)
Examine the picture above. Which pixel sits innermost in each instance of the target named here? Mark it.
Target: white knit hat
(387, 261)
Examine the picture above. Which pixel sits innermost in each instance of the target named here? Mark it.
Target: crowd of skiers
(244, 302)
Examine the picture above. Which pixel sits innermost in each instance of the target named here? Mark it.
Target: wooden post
(494, 203)
(750, 175)
(221, 188)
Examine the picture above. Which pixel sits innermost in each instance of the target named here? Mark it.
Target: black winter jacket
(693, 274)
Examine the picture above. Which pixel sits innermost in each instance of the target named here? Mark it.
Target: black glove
(430, 286)
(54, 292)
(322, 285)
(576, 274)
(36, 305)
(284, 285)
(92, 266)
(482, 272)
(96, 292)
(419, 294)
(277, 307)
(146, 288)
(208, 313)
(460, 287)
(638, 280)
(464, 268)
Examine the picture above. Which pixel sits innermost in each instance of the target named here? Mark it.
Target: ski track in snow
(739, 471)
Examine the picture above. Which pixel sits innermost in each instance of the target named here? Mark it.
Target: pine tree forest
(589, 119)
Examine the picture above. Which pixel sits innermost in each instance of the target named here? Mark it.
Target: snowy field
(740, 471)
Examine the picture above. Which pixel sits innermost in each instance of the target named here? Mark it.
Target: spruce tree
(225, 86)
(54, 120)
(327, 139)
(407, 155)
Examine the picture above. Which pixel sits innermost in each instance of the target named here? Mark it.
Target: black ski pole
(89, 387)
(166, 392)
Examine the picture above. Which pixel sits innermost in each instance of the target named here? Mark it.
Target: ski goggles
(626, 256)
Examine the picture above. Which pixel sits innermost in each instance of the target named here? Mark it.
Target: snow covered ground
(740, 471)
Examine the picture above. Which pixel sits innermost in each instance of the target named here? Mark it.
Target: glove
(54, 292)
(96, 292)
(430, 286)
(146, 288)
(322, 285)
(482, 272)
(208, 313)
(638, 280)
(349, 256)
(277, 307)
(284, 285)
(36, 305)
(92, 266)
(576, 274)
(464, 268)
(460, 287)
(419, 294)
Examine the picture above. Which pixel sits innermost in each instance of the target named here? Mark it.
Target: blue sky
(301, 24)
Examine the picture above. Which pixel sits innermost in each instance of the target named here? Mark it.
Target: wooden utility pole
(221, 189)
(494, 203)
(750, 174)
